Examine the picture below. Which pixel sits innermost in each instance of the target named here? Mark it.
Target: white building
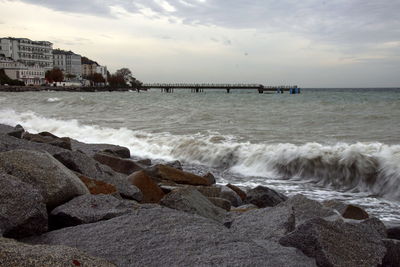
(30, 75)
(68, 62)
(28, 52)
(102, 70)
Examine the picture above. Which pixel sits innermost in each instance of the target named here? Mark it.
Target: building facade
(68, 62)
(30, 75)
(30, 53)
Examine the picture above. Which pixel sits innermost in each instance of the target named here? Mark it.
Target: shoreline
(81, 193)
(64, 89)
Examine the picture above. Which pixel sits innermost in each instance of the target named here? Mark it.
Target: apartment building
(30, 75)
(68, 62)
(90, 67)
(28, 52)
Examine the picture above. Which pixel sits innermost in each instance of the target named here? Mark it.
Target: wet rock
(162, 236)
(97, 187)
(146, 162)
(347, 211)
(8, 143)
(192, 201)
(5, 129)
(238, 191)
(210, 178)
(55, 182)
(121, 165)
(230, 195)
(168, 173)
(17, 132)
(175, 164)
(13, 253)
(48, 138)
(306, 209)
(209, 191)
(393, 232)
(264, 224)
(335, 243)
(220, 202)
(373, 224)
(152, 193)
(262, 197)
(88, 209)
(80, 162)
(22, 210)
(392, 257)
(92, 149)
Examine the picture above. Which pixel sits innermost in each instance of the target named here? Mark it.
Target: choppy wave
(359, 167)
(53, 99)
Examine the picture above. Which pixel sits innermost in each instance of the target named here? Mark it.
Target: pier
(200, 87)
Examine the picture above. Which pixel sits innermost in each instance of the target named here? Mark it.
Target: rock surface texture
(22, 210)
(56, 183)
(262, 197)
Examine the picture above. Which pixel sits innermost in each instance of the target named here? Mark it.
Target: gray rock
(92, 149)
(305, 209)
(118, 164)
(165, 237)
(5, 129)
(48, 138)
(17, 132)
(89, 209)
(13, 253)
(220, 202)
(264, 224)
(80, 162)
(230, 195)
(373, 224)
(392, 257)
(335, 243)
(262, 197)
(8, 143)
(347, 211)
(55, 182)
(22, 210)
(192, 201)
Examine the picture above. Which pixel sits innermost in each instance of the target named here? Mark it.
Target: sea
(327, 144)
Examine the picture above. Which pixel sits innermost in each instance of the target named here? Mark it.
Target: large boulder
(152, 193)
(162, 236)
(118, 164)
(48, 138)
(80, 162)
(220, 202)
(5, 129)
(335, 243)
(238, 191)
(92, 149)
(264, 224)
(16, 131)
(8, 143)
(192, 201)
(13, 253)
(89, 209)
(262, 197)
(22, 210)
(55, 182)
(306, 209)
(169, 173)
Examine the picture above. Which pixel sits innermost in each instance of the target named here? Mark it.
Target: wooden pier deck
(200, 87)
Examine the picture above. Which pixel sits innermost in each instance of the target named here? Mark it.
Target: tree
(125, 73)
(116, 81)
(96, 78)
(54, 75)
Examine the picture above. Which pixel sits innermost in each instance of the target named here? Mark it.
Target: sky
(310, 43)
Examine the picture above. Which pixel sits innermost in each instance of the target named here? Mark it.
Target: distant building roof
(85, 60)
(29, 40)
(63, 52)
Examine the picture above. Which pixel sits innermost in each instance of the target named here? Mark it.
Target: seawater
(324, 143)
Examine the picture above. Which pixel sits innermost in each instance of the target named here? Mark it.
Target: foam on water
(373, 168)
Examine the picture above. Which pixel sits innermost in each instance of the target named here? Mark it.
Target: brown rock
(152, 193)
(348, 211)
(210, 177)
(125, 166)
(220, 202)
(178, 176)
(97, 187)
(48, 138)
(238, 191)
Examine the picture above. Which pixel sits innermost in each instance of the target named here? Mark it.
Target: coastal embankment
(69, 203)
(64, 88)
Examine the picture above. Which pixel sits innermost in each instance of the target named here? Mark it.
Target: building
(68, 62)
(30, 53)
(30, 75)
(90, 67)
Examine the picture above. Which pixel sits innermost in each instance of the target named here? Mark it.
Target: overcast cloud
(356, 31)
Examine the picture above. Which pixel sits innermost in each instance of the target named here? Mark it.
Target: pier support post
(228, 90)
(260, 91)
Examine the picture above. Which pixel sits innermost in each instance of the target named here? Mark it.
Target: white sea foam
(53, 99)
(365, 167)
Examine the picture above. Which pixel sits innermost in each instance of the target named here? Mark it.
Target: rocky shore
(64, 88)
(68, 203)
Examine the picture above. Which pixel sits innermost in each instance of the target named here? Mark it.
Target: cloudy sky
(312, 43)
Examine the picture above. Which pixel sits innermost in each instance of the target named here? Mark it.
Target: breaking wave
(359, 167)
